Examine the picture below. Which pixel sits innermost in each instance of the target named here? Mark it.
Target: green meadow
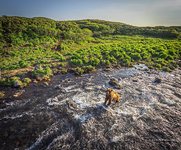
(82, 45)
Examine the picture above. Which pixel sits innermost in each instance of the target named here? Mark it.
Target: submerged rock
(135, 80)
(113, 82)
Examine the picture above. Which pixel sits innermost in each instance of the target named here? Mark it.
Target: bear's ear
(107, 88)
(111, 89)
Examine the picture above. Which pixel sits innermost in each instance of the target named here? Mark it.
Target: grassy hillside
(82, 45)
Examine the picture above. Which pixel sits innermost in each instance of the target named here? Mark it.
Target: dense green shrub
(108, 62)
(136, 56)
(158, 65)
(126, 62)
(64, 71)
(113, 60)
(85, 59)
(77, 62)
(89, 68)
(27, 80)
(76, 56)
(23, 64)
(94, 61)
(42, 72)
(167, 69)
(78, 71)
(120, 56)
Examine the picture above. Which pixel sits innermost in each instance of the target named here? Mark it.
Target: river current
(69, 112)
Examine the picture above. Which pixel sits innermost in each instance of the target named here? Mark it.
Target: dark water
(69, 113)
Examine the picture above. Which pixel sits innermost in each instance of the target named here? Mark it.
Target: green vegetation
(83, 45)
(64, 71)
(78, 71)
(89, 68)
(15, 82)
(41, 73)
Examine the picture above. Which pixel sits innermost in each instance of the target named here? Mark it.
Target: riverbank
(46, 80)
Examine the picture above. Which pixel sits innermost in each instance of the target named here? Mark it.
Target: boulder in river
(113, 82)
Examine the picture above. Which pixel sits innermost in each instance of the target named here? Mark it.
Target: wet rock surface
(146, 117)
(114, 83)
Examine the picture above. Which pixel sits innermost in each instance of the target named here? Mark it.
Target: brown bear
(111, 96)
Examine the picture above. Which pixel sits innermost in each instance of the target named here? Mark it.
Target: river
(69, 112)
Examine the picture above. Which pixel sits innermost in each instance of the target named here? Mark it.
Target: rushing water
(70, 114)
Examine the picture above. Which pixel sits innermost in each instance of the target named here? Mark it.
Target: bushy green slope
(85, 44)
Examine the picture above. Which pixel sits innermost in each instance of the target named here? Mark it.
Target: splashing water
(74, 117)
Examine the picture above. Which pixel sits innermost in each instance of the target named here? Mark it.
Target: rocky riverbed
(68, 112)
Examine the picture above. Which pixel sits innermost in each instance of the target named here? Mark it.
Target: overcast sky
(133, 12)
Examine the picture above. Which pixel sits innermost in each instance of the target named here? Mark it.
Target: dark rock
(157, 80)
(58, 87)
(70, 79)
(70, 70)
(38, 78)
(37, 67)
(17, 83)
(113, 82)
(135, 80)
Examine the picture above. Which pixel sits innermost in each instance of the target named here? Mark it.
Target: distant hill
(28, 28)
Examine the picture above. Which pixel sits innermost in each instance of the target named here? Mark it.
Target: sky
(133, 12)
